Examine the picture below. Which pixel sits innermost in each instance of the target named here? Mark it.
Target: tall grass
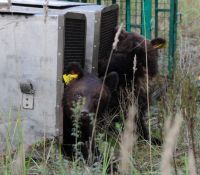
(128, 140)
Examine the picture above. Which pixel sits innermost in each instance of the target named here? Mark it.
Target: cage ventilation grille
(108, 24)
(74, 48)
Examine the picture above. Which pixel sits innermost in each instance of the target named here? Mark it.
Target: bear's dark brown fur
(132, 45)
(86, 87)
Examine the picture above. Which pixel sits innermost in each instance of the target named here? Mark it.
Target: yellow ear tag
(160, 46)
(69, 77)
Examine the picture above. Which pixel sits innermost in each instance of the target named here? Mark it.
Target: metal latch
(27, 101)
(27, 95)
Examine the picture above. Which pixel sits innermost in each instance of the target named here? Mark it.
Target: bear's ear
(112, 81)
(158, 43)
(74, 69)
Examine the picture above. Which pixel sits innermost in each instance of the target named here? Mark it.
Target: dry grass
(128, 140)
(172, 129)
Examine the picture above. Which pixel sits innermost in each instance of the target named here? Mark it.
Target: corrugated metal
(75, 35)
(108, 24)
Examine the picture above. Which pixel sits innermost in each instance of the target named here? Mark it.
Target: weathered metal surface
(29, 53)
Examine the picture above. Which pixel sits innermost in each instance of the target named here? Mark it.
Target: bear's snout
(85, 114)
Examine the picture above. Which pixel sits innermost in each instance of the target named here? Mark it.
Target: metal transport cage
(36, 44)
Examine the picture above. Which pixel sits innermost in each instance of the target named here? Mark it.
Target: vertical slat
(146, 18)
(156, 18)
(99, 2)
(172, 37)
(113, 1)
(128, 15)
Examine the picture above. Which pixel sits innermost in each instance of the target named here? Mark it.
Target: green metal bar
(113, 1)
(128, 15)
(146, 18)
(156, 18)
(172, 37)
(83, 0)
(99, 2)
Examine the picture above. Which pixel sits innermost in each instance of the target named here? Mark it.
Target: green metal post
(156, 18)
(113, 1)
(128, 15)
(146, 18)
(99, 2)
(172, 37)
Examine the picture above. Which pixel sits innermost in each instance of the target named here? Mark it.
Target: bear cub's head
(133, 44)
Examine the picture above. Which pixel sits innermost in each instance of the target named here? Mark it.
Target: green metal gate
(152, 18)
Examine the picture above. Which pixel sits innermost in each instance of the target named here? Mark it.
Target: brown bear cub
(85, 88)
(132, 45)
